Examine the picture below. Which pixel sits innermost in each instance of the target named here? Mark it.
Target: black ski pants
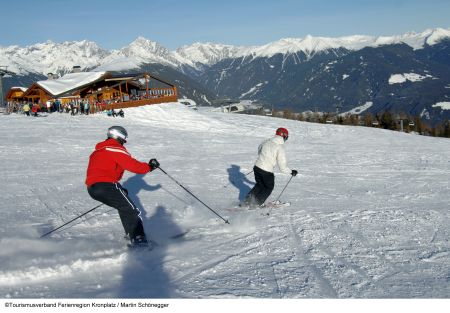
(114, 195)
(265, 182)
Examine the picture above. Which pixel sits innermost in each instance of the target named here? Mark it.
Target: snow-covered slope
(369, 215)
(61, 57)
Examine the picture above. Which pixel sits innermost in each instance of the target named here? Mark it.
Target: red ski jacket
(108, 162)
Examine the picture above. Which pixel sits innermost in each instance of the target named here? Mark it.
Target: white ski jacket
(271, 153)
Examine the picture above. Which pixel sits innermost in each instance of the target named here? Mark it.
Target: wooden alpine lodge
(103, 90)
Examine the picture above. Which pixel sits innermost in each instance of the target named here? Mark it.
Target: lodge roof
(13, 90)
(70, 82)
(21, 88)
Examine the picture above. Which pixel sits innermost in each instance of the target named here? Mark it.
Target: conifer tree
(418, 125)
(444, 130)
(368, 120)
(387, 121)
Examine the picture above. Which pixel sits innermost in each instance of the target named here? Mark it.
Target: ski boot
(139, 241)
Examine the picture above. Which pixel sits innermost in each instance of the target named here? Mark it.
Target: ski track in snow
(368, 217)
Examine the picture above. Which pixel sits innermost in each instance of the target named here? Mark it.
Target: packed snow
(368, 218)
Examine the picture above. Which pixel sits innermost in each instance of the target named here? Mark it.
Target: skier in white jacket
(270, 153)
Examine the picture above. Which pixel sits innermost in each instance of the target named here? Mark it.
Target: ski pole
(268, 213)
(233, 181)
(71, 220)
(226, 221)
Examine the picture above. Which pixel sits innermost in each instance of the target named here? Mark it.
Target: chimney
(76, 69)
(50, 76)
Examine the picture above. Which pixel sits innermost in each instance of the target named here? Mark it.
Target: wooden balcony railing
(141, 102)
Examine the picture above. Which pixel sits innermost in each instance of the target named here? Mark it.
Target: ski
(139, 248)
(269, 205)
(180, 235)
(277, 204)
(244, 208)
(151, 245)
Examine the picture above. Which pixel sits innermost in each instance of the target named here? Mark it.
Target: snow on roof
(21, 88)
(69, 81)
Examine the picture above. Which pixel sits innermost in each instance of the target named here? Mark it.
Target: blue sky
(114, 24)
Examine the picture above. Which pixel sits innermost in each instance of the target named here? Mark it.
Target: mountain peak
(437, 35)
(139, 51)
(144, 48)
(206, 53)
(142, 41)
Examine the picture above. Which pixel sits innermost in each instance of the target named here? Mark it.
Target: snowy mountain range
(43, 58)
(296, 73)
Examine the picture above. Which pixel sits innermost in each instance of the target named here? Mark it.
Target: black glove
(154, 164)
(294, 173)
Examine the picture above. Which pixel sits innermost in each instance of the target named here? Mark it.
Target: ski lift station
(235, 106)
(188, 103)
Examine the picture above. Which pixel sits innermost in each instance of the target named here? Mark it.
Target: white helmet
(119, 133)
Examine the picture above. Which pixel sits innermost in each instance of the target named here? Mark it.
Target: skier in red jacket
(106, 167)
